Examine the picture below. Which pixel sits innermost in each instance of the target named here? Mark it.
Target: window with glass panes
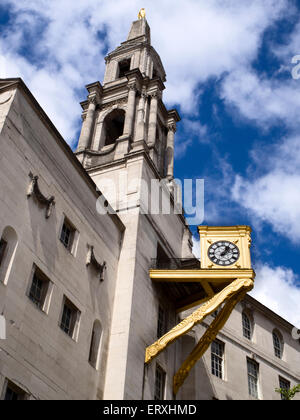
(160, 381)
(67, 234)
(277, 345)
(13, 392)
(217, 353)
(69, 317)
(252, 368)
(284, 384)
(35, 293)
(247, 331)
(39, 287)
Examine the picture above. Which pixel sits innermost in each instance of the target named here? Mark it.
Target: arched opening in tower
(114, 126)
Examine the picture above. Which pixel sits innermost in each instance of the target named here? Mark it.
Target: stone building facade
(75, 291)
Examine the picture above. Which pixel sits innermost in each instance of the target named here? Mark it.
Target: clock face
(223, 253)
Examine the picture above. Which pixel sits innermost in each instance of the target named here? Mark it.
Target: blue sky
(229, 74)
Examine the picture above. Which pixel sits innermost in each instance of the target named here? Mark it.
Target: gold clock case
(222, 286)
(238, 235)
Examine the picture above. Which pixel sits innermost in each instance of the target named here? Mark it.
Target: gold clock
(225, 247)
(223, 253)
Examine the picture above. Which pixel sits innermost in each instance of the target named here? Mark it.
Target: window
(70, 318)
(160, 382)
(13, 392)
(284, 384)
(217, 353)
(277, 343)
(39, 288)
(161, 322)
(67, 234)
(3, 245)
(124, 67)
(8, 247)
(113, 126)
(253, 370)
(162, 259)
(95, 344)
(247, 328)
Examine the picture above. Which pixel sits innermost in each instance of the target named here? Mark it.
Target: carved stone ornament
(114, 103)
(172, 127)
(154, 95)
(91, 260)
(33, 189)
(93, 99)
(132, 86)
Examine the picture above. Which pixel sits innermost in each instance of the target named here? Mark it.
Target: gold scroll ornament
(230, 295)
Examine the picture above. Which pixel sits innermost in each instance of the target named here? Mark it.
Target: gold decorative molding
(211, 333)
(191, 276)
(196, 317)
(222, 285)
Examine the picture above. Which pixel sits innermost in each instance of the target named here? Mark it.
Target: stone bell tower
(128, 135)
(127, 115)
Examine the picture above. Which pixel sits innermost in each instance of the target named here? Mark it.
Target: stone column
(98, 144)
(153, 119)
(140, 135)
(170, 151)
(87, 125)
(129, 119)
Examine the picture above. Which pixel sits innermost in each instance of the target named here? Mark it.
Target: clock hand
(225, 251)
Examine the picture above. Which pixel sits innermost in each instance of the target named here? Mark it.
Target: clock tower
(126, 142)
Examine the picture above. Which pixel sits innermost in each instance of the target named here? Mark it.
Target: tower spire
(126, 116)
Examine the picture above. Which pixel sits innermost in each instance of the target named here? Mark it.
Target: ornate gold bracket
(210, 334)
(230, 295)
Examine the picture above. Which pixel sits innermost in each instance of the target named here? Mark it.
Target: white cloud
(181, 147)
(192, 129)
(274, 196)
(199, 40)
(275, 287)
(265, 101)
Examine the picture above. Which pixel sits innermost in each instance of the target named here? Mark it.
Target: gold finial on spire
(142, 14)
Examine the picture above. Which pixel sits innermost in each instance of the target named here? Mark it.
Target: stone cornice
(173, 115)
